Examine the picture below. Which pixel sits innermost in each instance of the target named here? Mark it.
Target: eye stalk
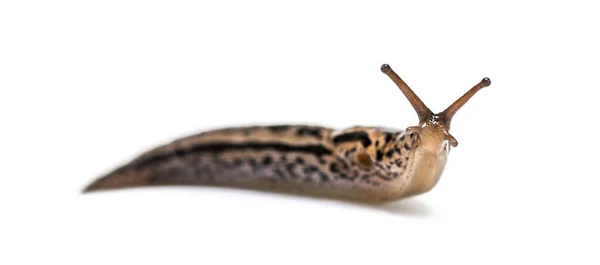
(448, 114)
(426, 116)
(422, 110)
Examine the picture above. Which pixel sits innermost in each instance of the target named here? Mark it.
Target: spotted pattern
(302, 158)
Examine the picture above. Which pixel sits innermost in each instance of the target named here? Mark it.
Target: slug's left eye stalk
(448, 114)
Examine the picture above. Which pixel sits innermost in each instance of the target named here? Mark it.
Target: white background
(87, 85)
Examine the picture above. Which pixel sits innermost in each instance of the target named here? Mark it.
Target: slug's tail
(120, 178)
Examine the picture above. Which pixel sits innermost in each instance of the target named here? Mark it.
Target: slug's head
(433, 129)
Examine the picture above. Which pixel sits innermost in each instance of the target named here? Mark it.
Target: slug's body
(368, 164)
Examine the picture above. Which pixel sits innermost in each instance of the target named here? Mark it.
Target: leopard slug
(366, 164)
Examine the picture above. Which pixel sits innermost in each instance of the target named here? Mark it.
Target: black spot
(399, 162)
(322, 161)
(353, 149)
(344, 176)
(407, 147)
(253, 164)
(389, 153)
(363, 137)
(278, 128)
(388, 137)
(397, 150)
(290, 169)
(377, 143)
(333, 168)
(365, 176)
(310, 169)
(402, 137)
(236, 162)
(379, 155)
(283, 158)
(267, 160)
(324, 177)
(181, 152)
(310, 131)
(300, 160)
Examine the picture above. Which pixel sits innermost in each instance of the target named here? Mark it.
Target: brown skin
(365, 164)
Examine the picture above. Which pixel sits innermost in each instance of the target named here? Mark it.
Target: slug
(365, 164)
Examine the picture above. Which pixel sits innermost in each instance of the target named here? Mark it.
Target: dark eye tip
(485, 82)
(386, 69)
